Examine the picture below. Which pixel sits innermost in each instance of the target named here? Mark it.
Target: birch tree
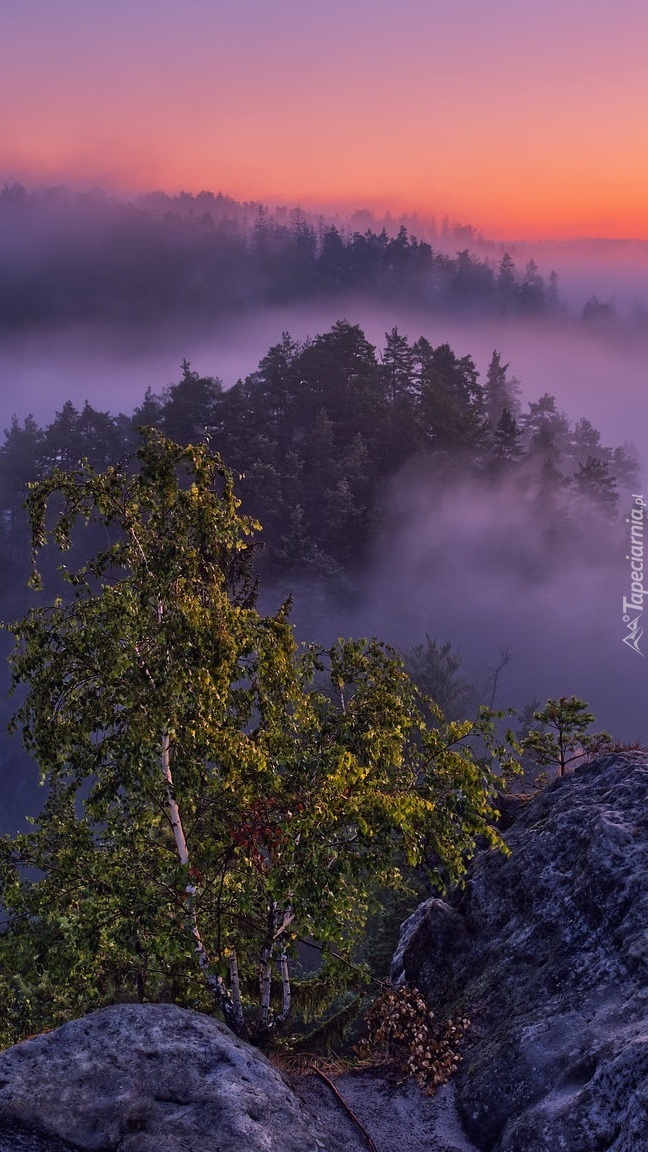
(213, 792)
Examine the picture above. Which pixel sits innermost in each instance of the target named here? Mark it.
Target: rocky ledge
(546, 950)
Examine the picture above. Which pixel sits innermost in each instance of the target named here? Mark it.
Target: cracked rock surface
(546, 951)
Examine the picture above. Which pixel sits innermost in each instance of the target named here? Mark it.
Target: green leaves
(562, 739)
(211, 788)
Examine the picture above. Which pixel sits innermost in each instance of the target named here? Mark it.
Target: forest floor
(396, 1118)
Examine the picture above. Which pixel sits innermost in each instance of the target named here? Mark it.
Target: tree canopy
(322, 431)
(213, 792)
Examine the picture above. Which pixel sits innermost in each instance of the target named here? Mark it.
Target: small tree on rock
(563, 740)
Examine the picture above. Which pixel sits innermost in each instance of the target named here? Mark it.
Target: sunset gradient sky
(524, 119)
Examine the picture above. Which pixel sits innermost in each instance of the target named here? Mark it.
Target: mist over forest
(101, 297)
(88, 258)
(396, 498)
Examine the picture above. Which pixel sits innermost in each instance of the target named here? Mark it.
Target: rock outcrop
(547, 951)
(148, 1078)
(139, 1079)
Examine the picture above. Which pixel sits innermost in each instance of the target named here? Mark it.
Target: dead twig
(349, 1111)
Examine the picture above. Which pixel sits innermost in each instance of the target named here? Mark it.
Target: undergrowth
(403, 1034)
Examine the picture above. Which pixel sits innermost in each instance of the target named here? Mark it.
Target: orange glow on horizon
(545, 214)
(528, 207)
(521, 121)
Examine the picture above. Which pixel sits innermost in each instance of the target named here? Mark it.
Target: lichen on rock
(546, 950)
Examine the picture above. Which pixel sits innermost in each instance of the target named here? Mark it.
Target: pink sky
(521, 118)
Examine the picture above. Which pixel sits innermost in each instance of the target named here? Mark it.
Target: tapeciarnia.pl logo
(633, 605)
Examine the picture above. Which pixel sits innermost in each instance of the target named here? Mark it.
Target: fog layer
(474, 569)
(590, 374)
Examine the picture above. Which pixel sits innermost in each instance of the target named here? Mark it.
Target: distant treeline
(323, 430)
(86, 258)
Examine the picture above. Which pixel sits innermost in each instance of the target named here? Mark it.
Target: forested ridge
(323, 428)
(70, 258)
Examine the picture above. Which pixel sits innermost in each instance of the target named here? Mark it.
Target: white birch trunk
(235, 985)
(265, 970)
(265, 986)
(285, 987)
(216, 983)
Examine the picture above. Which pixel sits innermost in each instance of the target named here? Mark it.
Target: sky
(523, 119)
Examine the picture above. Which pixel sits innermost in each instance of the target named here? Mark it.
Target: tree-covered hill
(323, 428)
(70, 258)
(334, 438)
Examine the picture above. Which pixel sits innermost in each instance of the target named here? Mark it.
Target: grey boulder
(148, 1078)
